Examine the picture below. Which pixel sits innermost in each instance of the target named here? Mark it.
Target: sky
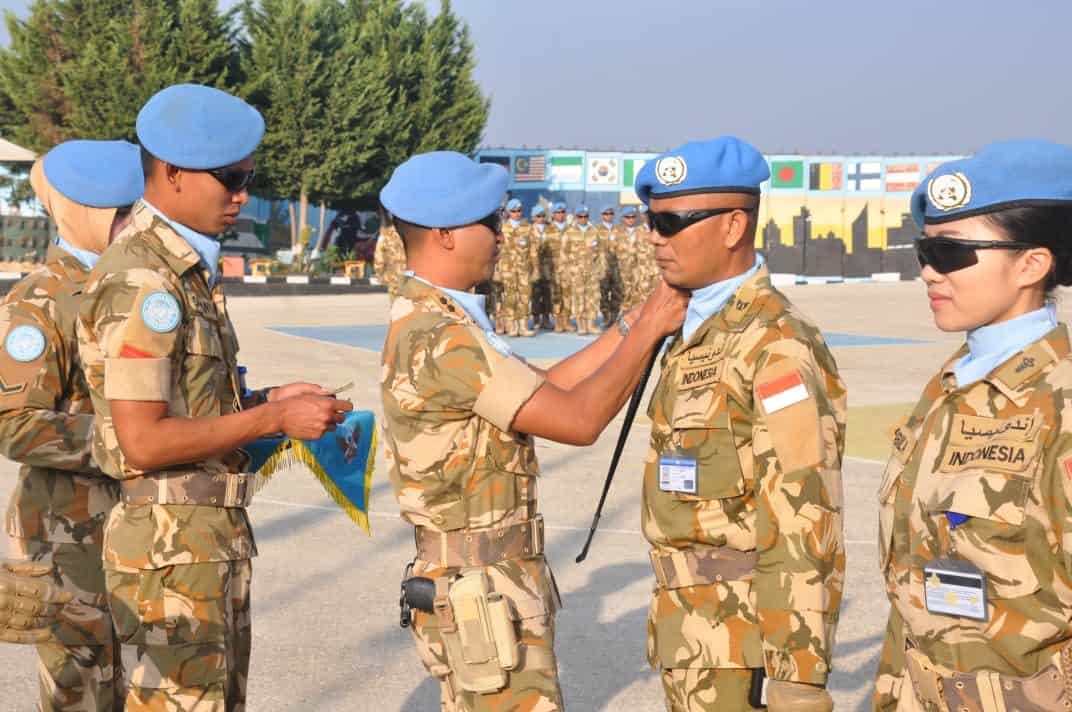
(819, 76)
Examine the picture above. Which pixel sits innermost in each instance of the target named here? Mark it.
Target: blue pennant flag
(341, 460)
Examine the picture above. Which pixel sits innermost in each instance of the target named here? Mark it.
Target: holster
(478, 631)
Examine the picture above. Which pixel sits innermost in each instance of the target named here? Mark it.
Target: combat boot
(500, 326)
(568, 325)
(523, 328)
(511, 328)
(559, 328)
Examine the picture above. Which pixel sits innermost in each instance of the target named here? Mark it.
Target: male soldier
(519, 253)
(543, 275)
(610, 287)
(159, 354)
(742, 484)
(460, 413)
(584, 257)
(553, 256)
(389, 258)
(630, 241)
(56, 514)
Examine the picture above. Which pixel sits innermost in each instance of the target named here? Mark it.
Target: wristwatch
(623, 325)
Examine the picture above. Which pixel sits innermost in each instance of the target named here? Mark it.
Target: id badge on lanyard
(678, 471)
(952, 586)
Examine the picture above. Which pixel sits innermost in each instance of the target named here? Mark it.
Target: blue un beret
(628, 211)
(1002, 175)
(198, 127)
(582, 209)
(513, 204)
(722, 165)
(555, 207)
(100, 174)
(537, 210)
(444, 189)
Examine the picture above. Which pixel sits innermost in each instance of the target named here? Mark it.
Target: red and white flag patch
(782, 392)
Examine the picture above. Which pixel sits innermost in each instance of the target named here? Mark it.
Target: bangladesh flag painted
(787, 174)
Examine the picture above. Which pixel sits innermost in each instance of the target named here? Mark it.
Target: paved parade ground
(325, 618)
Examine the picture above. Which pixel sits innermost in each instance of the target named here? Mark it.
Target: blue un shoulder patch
(25, 343)
(160, 311)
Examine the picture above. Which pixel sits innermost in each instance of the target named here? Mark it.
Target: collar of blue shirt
(473, 304)
(708, 301)
(86, 257)
(992, 345)
(206, 246)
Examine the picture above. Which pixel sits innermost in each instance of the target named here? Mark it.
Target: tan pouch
(501, 616)
(471, 648)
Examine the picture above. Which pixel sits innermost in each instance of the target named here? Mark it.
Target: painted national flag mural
(530, 169)
(787, 174)
(603, 170)
(901, 177)
(567, 169)
(824, 176)
(864, 176)
(630, 168)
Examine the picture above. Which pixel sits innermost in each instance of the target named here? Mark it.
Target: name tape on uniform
(782, 392)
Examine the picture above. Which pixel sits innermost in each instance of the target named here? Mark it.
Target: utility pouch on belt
(478, 632)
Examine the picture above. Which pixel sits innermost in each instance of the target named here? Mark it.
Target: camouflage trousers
(186, 635)
(82, 672)
(531, 687)
(584, 296)
(611, 295)
(542, 298)
(563, 301)
(517, 298)
(707, 689)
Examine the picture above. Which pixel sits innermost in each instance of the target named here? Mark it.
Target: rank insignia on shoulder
(25, 343)
(160, 312)
(498, 343)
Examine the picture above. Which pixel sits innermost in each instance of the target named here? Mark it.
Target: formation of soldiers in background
(554, 271)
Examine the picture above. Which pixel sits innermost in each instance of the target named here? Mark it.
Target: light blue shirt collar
(559, 225)
(514, 223)
(86, 257)
(992, 345)
(473, 304)
(207, 247)
(708, 301)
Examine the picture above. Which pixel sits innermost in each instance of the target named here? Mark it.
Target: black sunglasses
(234, 180)
(670, 223)
(492, 222)
(946, 254)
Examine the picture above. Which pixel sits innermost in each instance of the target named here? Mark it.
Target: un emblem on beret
(671, 170)
(160, 312)
(949, 191)
(25, 343)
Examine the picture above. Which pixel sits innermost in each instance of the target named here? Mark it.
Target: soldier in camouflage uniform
(630, 242)
(742, 483)
(389, 258)
(611, 288)
(159, 353)
(585, 258)
(975, 530)
(519, 261)
(57, 511)
(543, 277)
(460, 415)
(553, 262)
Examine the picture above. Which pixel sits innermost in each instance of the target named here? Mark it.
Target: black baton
(630, 414)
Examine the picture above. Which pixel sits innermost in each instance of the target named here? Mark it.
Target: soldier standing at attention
(585, 257)
(460, 415)
(742, 498)
(611, 287)
(389, 258)
(517, 256)
(56, 515)
(975, 527)
(159, 354)
(543, 276)
(552, 252)
(630, 241)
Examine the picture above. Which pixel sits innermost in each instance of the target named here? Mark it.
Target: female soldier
(976, 502)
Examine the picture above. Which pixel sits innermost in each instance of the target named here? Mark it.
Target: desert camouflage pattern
(999, 451)
(631, 245)
(612, 286)
(177, 574)
(543, 288)
(56, 513)
(449, 397)
(519, 264)
(769, 484)
(705, 689)
(586, 261)
(647, 271)
(554, 265)
(389, 259)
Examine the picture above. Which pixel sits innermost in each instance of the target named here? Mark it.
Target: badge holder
(952, 586)
(678, 471)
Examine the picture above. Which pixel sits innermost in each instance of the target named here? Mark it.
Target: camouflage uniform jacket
(389, 259)
(192, 367)
(552, 254)
(756, 399)
(46, 416)
(584, 253)
(999, 451)
(520, 251)
(449, 397)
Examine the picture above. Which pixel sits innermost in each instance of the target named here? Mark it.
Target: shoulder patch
(25, 343)
(498, 343)
(160, 312)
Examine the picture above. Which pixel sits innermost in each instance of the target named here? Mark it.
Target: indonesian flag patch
(782, 392)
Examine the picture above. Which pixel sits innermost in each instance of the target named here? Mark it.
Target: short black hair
(148, 161)
(1048, 226)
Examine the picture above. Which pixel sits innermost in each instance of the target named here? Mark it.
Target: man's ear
(736, 228)
(445, 237)
(173, 174)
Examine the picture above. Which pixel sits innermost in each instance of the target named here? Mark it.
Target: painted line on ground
(552, 527)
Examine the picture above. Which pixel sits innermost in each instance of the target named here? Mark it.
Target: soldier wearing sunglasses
(160, 357)
(742, 483)
(974, 504)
